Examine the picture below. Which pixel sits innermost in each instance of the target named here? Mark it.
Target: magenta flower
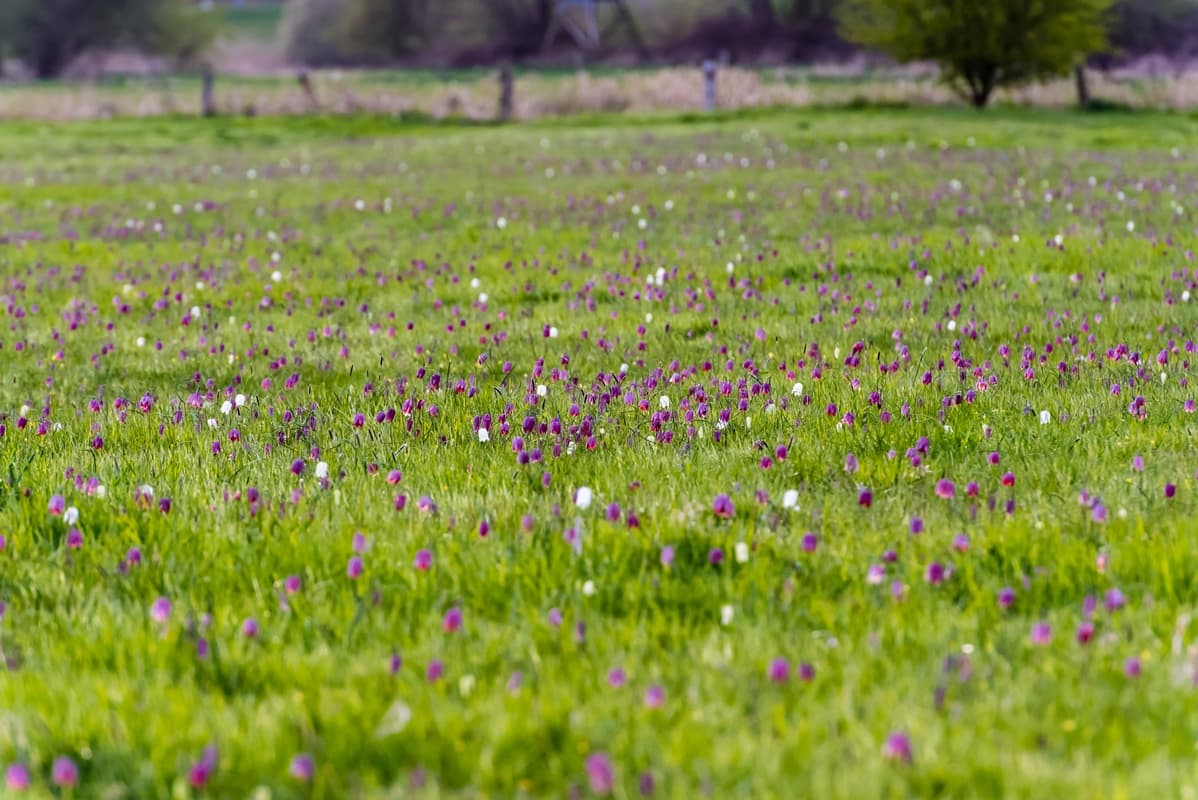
(423, 560)
(1131, 668)
(16, 778)
(715, 557)
(426, 505)
(935, 573)
(303, 767)
(960, 543)
(394, 477)
(778, 670)
(249, 628)
(722, 506)
(865, 498)
(994, 458)
(74, 539)
(354, 568)
(554, 617)
(810, 542)
(897, 748)
(806, 672)
(616, 678)
(160, 610)
(453, 620)
(1006, 598)
(434, 672)
(1170, 490)
(57, 505)
(1085, 632)
(945, 489)
(64, 773)
(916, 525)
(1008, 479)
(291, 584)
(667, 556)
(297, 467)
(613, 512)
(1041, 634)
(600, 774)
(655, 697)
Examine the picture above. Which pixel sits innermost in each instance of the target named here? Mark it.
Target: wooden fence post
(207, 92)
(709, 85)
(505, 92)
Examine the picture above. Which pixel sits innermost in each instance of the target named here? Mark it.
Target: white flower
(742, 552)
(322, 470)
(583, 497)
(663, 401)
(226, 407)
(501, 223)
(71, 515)
(1045, 417)
(726, 614)
(239, 400)
(484, 435)
(211, 423)
(101, 491)
(542, 390)
(790, 498)
(195, 311)
(141, 341)
(553, 331)
(276, 276)
(146, 489)
(482, 297)
(588, 588)
(797, 390)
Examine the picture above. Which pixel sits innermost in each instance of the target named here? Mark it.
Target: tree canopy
(981, 45)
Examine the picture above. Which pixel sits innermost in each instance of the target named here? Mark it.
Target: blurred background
(68, 58)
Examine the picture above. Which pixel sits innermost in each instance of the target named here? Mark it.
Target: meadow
(774, 454)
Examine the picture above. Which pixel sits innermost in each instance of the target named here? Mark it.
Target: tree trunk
(1083, 88)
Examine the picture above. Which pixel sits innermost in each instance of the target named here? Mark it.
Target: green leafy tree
(981, 45)
(48, 34)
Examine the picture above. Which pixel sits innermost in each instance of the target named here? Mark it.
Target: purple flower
(57, 505)
(1115, 600)
(354, 568)
(960, 543)
(810, 542)
(935, 573)
(655, 697)
(600, 773)
(1170, 490)
(945, 489)
(806, 672)
(778, 670)
(1131, 667)
(1085, 632)
(64, 773)
(865, 498)
(916, 525)
(722, 506)
(667, 556)
(613, 512)
(616, 678)
(453, 620)
(291, 584)
(897, 748)
(716, 556)
(303, 767)
(74, 539)
(16, 777)
(1006, 598)
(644, 784)
(160, 610)
(1041, 634)
(249, 628)
(297, 467)
(435, 670)
(554, 617)
(423, 560)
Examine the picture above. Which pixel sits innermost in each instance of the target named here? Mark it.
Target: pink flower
(897, 748)
(945, 489)
(453, 620)
(64, 773)
(778, 670)
(600, 774)
(57, 505)
(423, 560)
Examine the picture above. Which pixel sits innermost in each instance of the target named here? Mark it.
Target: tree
(981, 45)
(48, 34)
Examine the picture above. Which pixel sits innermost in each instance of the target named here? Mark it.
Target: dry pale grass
(671, 89)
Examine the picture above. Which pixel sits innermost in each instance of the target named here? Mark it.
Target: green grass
(783, 241)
